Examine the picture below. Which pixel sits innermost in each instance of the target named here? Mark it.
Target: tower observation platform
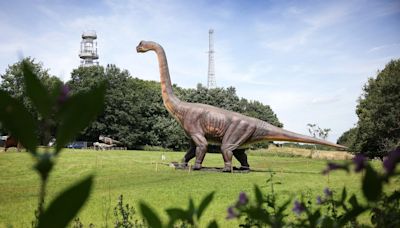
(88, 51)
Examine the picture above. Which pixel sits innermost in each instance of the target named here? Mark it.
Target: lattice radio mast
(211, 83)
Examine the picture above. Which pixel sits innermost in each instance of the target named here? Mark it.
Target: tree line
(135, 115)
(133, 111)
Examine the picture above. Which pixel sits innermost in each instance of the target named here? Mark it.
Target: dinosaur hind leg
(190, 153)
(235, 136)
(201, 148)
(241, 156)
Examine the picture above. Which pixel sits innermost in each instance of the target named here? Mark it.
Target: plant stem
(42, 195)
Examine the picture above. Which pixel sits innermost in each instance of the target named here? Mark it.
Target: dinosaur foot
(242, 168)
(197, 166)
(183, 165)
(227, 168)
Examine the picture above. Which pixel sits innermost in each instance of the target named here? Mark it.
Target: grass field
(134, 174)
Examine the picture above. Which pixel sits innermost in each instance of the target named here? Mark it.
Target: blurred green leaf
(18, 121)
(259, 196)
(204, 204)
(213, 224)
(152, 219)
(283, 207)
(327, 221)
(65, 207)
(394, 196)
(353, 201)
(350, 215)
(36, 91)
(371, 184)
(176, 214)
(313, 218)
(77, 113)
(344, 195)
(190, 211)
(259, 215)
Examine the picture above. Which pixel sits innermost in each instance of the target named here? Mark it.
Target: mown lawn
(134, 174)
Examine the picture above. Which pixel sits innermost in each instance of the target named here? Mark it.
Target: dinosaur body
(12, 142)
(208, 124)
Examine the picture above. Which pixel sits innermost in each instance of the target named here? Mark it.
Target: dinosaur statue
(205, 123)
(108, 140)
(11, 141)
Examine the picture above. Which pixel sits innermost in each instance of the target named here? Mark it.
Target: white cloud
(383, 47)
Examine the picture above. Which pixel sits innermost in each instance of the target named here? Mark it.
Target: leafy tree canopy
(12, 81)
(378, 111)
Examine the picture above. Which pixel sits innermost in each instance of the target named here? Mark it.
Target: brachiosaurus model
(208, 124)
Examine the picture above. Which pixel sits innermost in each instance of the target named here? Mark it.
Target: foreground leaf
(18, 121)
(66, 206)
(176, 214)
(77, 113)
(371, 184)
(152, 219)
(36, 91)
(259, 196)
(204, 204)
(213, 224)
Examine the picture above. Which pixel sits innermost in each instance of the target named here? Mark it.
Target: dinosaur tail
(279, 134)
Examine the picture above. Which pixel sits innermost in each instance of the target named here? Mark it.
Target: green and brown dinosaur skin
(208, 124)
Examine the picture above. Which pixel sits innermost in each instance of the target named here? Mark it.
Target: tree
(317, 132)
(260, 111)
(119, 119)
(219, 97)
(348, 138)
(134, 112)
(13, 83)
(378, 111)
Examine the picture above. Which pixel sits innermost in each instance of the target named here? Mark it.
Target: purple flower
(298, 207)
(359, 161)
(327, 192)
(243, 199)
(391, 160)
(319, 200)
(333, 166)
(64, 93)
(231, 213)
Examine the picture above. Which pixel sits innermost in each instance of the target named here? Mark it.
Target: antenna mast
(211, 83)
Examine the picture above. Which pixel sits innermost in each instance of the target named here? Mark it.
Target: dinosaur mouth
(139, 49)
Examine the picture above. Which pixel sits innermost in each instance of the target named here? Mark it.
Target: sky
(308, 60)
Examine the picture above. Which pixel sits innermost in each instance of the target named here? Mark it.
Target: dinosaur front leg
(201, 148)
(237, 133)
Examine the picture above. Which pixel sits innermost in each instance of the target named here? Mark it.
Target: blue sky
(308, 60)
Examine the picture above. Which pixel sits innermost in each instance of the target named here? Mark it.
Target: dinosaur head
(144, 46)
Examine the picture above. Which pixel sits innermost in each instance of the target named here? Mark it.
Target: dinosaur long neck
(171, 102)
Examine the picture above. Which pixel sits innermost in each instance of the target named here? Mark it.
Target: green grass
(133, 174)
